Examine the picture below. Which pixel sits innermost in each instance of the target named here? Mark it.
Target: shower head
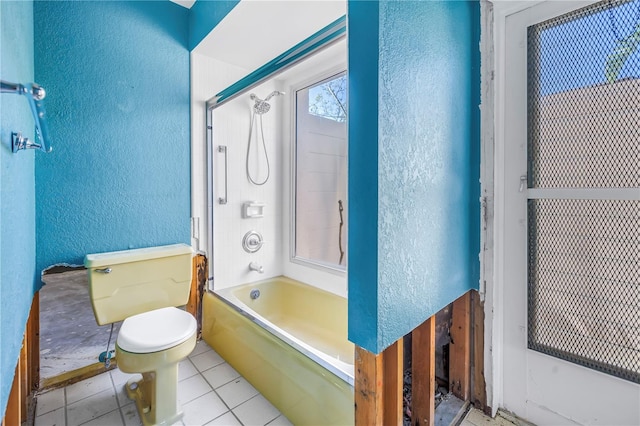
(272, 94)
(262, 106)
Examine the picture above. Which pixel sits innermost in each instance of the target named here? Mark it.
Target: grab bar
(223, 150)
(35, 95)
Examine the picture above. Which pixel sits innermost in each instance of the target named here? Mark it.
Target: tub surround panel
(230, 263)
(427, 230)
(17, 191)
(231, 123)
(208, 77)
(116, 75)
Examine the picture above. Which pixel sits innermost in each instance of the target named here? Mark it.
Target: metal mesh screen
(584, 283)
(584, 133)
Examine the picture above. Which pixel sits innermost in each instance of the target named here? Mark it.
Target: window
(320, 218)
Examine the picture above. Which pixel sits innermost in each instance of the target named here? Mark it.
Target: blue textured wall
(422, 251)
(205, 15)
(17, 190)
(117, 78)
(363, 54)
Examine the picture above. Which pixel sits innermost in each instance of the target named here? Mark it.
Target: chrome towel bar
(35, 95)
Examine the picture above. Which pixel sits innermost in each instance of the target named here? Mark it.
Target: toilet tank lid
(135, 255)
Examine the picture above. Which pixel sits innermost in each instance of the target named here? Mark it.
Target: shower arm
(35, 95)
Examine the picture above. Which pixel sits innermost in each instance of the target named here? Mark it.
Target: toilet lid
(156, 330)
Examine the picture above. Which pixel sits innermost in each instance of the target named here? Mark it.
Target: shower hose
(264, 148)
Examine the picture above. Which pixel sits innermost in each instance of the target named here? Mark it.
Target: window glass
(321, 173)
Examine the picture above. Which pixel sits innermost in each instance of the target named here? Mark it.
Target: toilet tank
(129, 282)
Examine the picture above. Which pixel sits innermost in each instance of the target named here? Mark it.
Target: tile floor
(209, 390)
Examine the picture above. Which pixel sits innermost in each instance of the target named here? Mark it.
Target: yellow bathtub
(290, 342)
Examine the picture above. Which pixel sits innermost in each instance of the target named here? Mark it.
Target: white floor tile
(92, 407)
(227, 419)
(201, 347)
(236, 392)
(88, 387)
(120, 378)
(220, 375)
(206, 360)
(131, 417)
(52, 418)
(49, 401)
(186, 369)
(191, 388)
(280, 421)
(121, 394)
(203, 409)
(130, 414)
(256, 411)
(112, 418)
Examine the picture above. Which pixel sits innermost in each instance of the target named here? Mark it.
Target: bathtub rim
(341, 369)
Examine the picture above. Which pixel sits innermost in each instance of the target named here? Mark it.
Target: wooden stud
(423, 373)
(198, 283)
(392, 359)
(25, 379)
(77, 375)
(478, 387)
(368, 388)
(12, 413)
(378, 386)
(23, 365)
(459, 349)
(33, 333)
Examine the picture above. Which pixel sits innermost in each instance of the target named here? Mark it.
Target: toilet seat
(156, 330)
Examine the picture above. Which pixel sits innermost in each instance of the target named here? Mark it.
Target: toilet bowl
(153, 343)
(143, 288)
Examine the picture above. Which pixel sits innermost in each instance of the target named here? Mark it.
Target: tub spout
(253, 266)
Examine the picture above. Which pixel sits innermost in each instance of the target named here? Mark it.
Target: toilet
(143, 288)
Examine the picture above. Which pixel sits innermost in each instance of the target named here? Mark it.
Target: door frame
(493, 184)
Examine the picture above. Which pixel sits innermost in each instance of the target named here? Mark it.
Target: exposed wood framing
(460, 347)
(25, 380)
(368, 387)
(70, 377)
(33, 350)
(378, 386)
(392, 359)
(478, 387)
(423, 373)
(12, 414)
(198, 282)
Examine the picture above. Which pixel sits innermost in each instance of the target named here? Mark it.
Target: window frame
(316, 79)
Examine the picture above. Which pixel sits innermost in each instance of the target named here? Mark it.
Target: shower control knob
(252, 241)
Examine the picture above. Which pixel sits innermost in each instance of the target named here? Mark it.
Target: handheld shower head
(262, 106)
(272, 94)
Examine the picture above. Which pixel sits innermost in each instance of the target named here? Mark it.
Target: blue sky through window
(329, 99)
(574, 54)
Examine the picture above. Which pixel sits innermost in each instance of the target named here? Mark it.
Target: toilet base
(156, 394)
(140, 391)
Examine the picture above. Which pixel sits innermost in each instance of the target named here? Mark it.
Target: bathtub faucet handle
(253, 266)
